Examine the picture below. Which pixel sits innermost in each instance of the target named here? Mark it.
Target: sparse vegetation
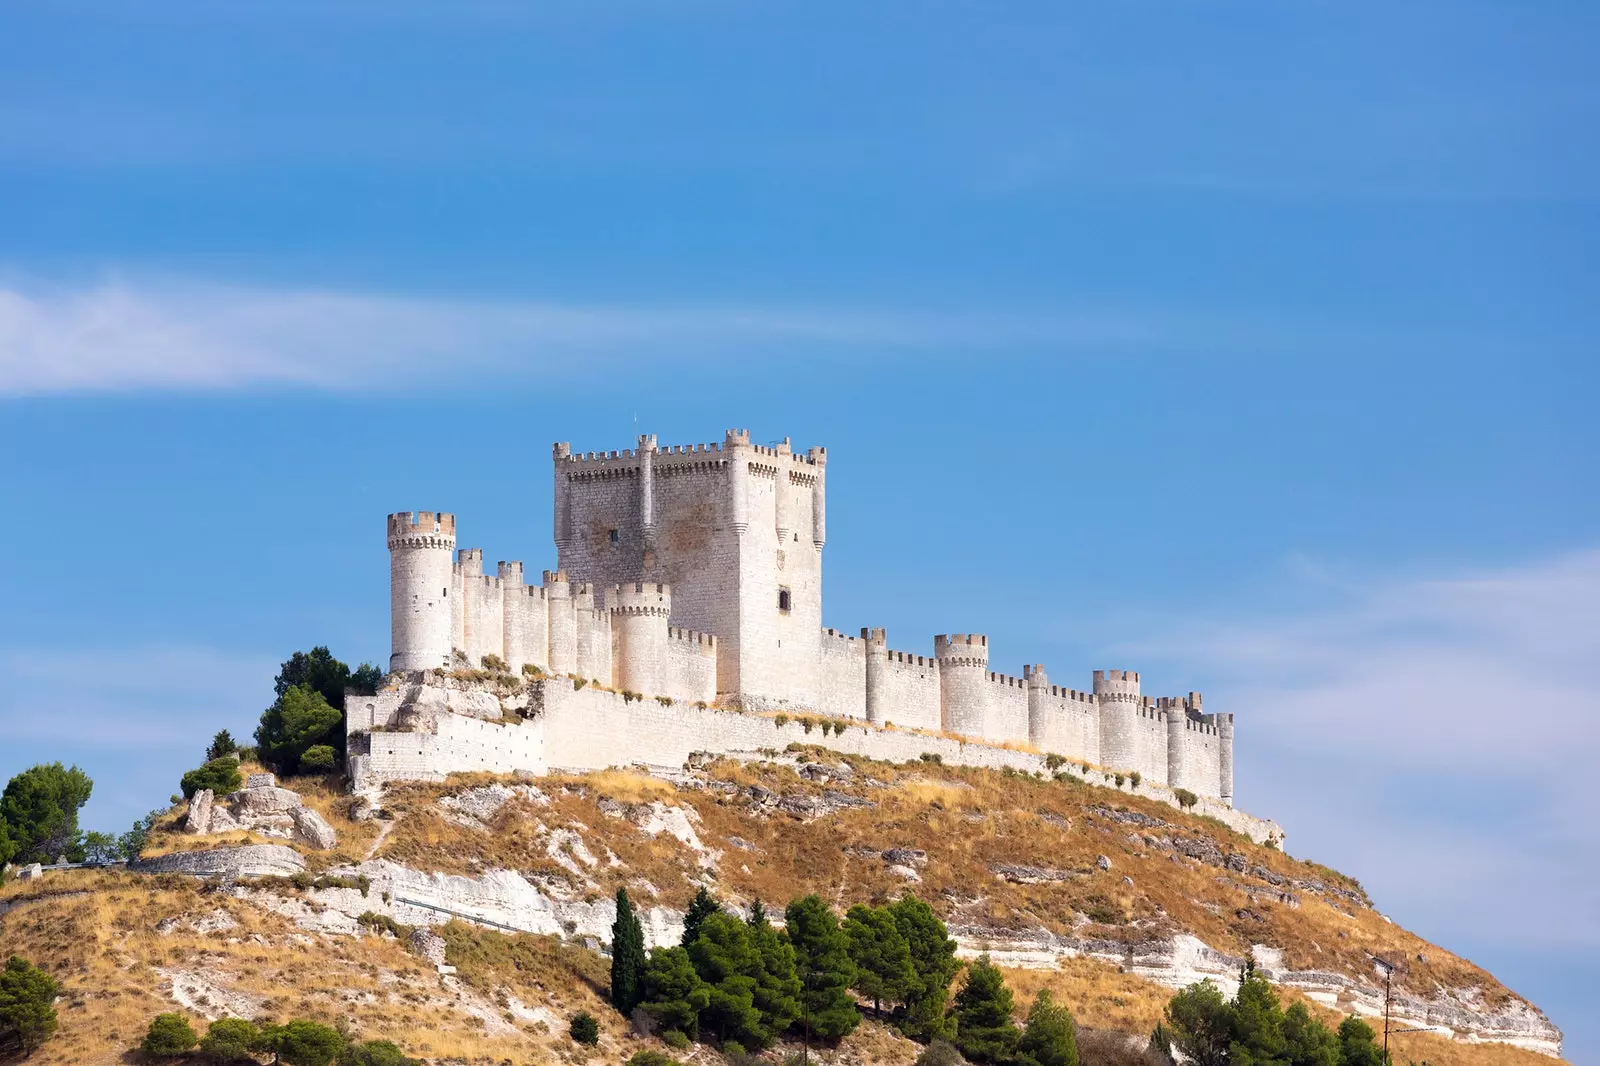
(1185, 798)
(780, 720)
(220, 775)
(1135, 777)
(494, 664)
(169, 1035)
(585, 1029)
(1054, 762)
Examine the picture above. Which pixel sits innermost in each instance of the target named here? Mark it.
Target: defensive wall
(568, 728)
(694, 573)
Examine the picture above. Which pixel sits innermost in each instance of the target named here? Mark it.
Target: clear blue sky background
(1248, 344)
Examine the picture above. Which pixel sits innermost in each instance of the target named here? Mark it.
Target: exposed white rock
(312, 830)
(251, 860)
(204, 994)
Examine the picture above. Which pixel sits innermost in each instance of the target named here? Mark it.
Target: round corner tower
(963, 682)
(639, 614)
(1039, 709)
(421, 553)
(1117, 693)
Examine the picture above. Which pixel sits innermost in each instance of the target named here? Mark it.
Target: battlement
(422, 529)
(510, 573)
(470, 560)
(641, 597)
(836, 635)
(961, 649)
(1073, 695)
(910, 659)
(1007, 680)
(877, 636)
(704, 641)
(1117, 686)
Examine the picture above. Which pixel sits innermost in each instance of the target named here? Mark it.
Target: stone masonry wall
(911, 690)
(842, 676)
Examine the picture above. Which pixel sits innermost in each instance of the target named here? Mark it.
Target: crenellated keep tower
(963, 682)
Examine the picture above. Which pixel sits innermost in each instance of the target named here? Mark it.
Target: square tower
(737, 529)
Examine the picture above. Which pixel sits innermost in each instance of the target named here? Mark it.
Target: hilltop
(1106, 897)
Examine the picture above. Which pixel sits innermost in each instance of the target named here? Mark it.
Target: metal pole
(1388, 997)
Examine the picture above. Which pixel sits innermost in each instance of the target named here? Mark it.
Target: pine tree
(984, 1029)
(627, 956)
(881, 956)
(726, 960)
(1257, 1022)
(27, 1004)
(674, 995)
(1202, 1024)
(934, 966)
(777, 991)
(822, 960)
(703, 905)
(1051, 1036)
(1357, 1044)
(1307, 1041)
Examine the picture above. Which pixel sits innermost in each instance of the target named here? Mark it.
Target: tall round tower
(1040, 733)
(963, 683)
(877, 649)
(1117, 692)
(421, 551)
(639, 614)
(1225, 757)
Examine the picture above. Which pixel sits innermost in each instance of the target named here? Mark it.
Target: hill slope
(1109, 899)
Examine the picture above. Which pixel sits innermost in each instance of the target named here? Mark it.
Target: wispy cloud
(1436, 737)
(179, 335)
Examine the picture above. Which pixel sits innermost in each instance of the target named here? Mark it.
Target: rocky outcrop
(251, 860)
(261, 807)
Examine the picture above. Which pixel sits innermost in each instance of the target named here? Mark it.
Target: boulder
(906, 857)
(252, 860)
(261, 781)
(313, 830)
(428, 944)
(199, 817)
(1102, 862)
(268, 799)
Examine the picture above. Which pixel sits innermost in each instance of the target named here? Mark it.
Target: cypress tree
(627, 956)
(984, 1029)
(822, 960)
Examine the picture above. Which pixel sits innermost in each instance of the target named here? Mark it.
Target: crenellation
(693, 573)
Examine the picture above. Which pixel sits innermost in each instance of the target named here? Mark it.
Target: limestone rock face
(199, 819)
(428, 944)
(252, 860)
(261, 781)
(311, 828)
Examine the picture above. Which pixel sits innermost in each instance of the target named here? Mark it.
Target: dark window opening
(613, 536)
(783, 599)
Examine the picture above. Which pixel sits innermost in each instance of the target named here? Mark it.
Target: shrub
(317, 759)
(585, 1029)
(941, 1053)
(932, 757)
(495, 663)
(1120, 779)
(169, 1034)
(230, 1039)
(1054, 761)
(780, 720)
(807, 723)
(219, 775)
(652, 1057)
(530, 670)
(1135, 778)
(702, 704)
(665, 701)
(382, 923)
(578, 683)
(1185, 798)
(675, 1038)
(304, 1043)
(376, 1053)
(27, 998)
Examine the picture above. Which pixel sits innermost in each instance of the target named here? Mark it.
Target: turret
(1225, 756)
(877, 650)
(1176, 711)
(963, 683)
(1039, 731)
(736, 443)
(819, 497)
(639, 614)
(421, 544)
(560, 453)
(563, 626)
(647, 490)
(1117, 692)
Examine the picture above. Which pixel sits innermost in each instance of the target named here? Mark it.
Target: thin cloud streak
(1435, 738)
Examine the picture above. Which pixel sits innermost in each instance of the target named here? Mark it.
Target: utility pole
(1386, 968)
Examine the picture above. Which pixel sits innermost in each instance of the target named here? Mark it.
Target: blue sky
(1248, 344)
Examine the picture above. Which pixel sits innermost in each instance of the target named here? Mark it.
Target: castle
(693, 575)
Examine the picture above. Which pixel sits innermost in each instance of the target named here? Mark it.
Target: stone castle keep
(691, 576)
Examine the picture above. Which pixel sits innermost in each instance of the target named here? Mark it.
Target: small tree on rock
(221, 746)
(169, 1035)
(982, 1015)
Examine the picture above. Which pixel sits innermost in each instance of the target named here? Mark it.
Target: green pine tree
(1202, 1024)
(1051, 1035)
(726, 960)
(27, 1005)
(673, 993)
(627, 956)
(777, 991)
(934, 966)
(1357, 1044)
(822, 960)
(1257, 1022)
(703, 905)
(881, 956)
(982, 1015)
(1307, 1041)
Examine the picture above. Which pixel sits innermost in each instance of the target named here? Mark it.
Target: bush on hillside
(317, 759)
(169, 1035)
(652, 1057)
(376, 1053)
(303, 1043)
(221, 776)
(941, 1053)
(27, 1005)
(230, 1039)
(585, 1029)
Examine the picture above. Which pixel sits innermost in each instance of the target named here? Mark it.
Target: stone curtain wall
(910, 690)
(842, 676)
(691, 666)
